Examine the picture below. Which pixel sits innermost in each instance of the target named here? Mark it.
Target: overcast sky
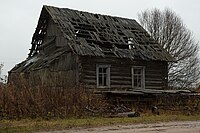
(18, 19)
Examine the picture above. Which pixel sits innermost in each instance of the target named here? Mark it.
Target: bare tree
(167, 28)
(1, 66)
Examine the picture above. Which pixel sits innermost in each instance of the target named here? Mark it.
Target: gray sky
(18, 19)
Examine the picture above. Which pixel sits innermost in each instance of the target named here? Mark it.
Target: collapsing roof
(90, 34)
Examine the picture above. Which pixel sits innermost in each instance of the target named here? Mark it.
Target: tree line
(168, 29)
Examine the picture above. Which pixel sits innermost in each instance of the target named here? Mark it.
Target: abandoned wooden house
(72, 47)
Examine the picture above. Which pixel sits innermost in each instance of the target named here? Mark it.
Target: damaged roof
(39, 61)
(89, 34)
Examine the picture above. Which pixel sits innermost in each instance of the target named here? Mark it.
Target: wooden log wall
(60, 73)
(120, 72)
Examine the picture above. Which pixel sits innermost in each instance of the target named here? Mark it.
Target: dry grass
(71, 102)
(46, 103)
(26, 109)
(30, 125)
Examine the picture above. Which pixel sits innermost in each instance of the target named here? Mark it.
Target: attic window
(130, 43)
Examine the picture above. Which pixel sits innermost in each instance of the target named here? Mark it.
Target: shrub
(47, 102)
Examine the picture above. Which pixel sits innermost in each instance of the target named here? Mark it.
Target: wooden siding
(120, 72)
(60, 73)
(52, 29)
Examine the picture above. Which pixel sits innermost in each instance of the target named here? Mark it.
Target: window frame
(107, 75)
(142, 76)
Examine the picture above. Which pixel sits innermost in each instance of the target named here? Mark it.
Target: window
(138, 80)
(103, 76)
(130, 43)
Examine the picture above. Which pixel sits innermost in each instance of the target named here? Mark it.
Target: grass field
(31, 125)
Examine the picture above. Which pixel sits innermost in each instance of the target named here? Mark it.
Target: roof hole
(40, 31)
(73, 19)
(107, 25)
(76, 32)
(131, 46)
(115, 19)
(130, 40)
(81, 13)
(105, 17)
(130, 43)
(96, 16)
(117, 26)
(122, 46)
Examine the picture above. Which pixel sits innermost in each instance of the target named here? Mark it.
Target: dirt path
(162, 127)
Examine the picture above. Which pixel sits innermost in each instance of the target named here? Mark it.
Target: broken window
(138, 78)
(130, 43)
(103, 76)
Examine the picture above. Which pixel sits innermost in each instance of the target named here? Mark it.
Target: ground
(160, 127)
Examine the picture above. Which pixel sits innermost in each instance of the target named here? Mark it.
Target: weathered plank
(120, 72)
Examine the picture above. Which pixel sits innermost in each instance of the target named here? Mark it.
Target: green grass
(30, 125)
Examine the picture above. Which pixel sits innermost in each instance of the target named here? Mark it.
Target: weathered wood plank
(120, 82)
(120, 86)
(120, 72)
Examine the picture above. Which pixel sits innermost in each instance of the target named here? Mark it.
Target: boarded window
(138, 78)
(103, 76)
